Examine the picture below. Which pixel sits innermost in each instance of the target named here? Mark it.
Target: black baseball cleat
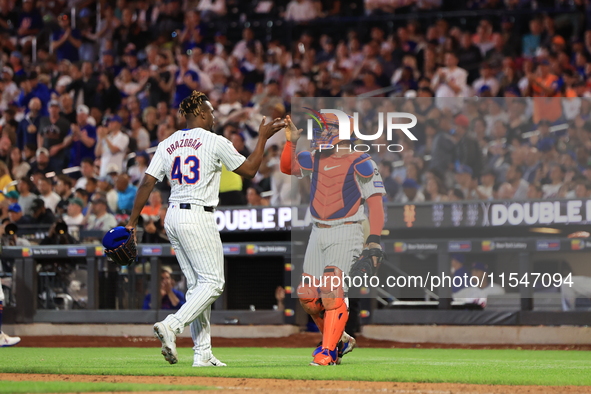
(345, 345)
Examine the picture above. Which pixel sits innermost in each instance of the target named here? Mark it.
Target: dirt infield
(296, 340)
(309, 386)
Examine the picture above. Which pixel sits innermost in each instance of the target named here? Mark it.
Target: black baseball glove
(126, 253)
(365, 264)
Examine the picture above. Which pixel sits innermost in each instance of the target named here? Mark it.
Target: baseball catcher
(342, 181)
(120, 245)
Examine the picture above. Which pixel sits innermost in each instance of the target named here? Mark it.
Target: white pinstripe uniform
(192, 160)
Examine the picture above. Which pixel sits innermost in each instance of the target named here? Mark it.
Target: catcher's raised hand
(292, 133)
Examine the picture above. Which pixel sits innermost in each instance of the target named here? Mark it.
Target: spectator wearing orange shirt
(543, 83)
(544, 86)
(155, 204)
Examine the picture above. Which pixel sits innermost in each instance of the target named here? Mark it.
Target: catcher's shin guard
(310, 300)
(336, 312)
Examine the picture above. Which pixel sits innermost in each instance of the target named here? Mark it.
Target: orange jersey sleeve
(292, 164)
(286, 155)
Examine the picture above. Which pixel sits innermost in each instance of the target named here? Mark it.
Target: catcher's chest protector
(334, 191)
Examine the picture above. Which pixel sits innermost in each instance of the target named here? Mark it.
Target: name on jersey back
(184, 143)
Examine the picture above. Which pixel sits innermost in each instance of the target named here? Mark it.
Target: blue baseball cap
(107, 179)
(410, 183)
(484, 88)
(512, 90)
(116, 118)
(480, 266)
(463, 169)
(14, 208)
(210, 49)
(459, 256)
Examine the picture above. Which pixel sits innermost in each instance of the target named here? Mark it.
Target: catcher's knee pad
(309, 296)
(331, 303)
(331, 288)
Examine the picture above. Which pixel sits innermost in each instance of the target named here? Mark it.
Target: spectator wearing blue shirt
(131, 60)
(108, 63)
(66, 41)
(16, 61)
(29, 126)
(458, 270)
(82, 137)
(171, 297)
(30, 23)
(32, 88)
(187, 80)
(126, 193)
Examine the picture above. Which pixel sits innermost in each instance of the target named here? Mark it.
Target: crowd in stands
(97, 95)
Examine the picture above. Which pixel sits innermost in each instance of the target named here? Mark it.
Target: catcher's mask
(325, 133)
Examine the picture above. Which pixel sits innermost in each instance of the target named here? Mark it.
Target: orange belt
(322, 225)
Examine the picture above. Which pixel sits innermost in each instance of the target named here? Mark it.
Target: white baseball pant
(196, 241)
(337, 246)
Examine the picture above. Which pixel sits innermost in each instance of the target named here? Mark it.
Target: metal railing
(36, 289)
(523, 250)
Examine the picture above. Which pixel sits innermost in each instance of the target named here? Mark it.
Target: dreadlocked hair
(192, 104)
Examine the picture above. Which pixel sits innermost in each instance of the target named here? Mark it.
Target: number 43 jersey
(192, 160)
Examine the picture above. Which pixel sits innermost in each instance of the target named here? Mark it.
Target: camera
(61, 228)
(9, 236)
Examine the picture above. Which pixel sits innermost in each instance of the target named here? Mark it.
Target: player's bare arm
(249, 168)
(376, 224)
(143, 193)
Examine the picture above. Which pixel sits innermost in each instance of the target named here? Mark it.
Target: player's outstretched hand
(292, 133)
(266, 131)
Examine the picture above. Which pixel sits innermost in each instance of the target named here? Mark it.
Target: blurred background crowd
(89, 88)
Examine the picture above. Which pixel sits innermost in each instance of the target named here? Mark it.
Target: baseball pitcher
(192, 159)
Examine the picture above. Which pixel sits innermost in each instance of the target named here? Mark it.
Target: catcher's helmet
(326, 133)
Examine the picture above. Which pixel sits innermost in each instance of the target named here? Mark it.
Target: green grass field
(513, 367)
